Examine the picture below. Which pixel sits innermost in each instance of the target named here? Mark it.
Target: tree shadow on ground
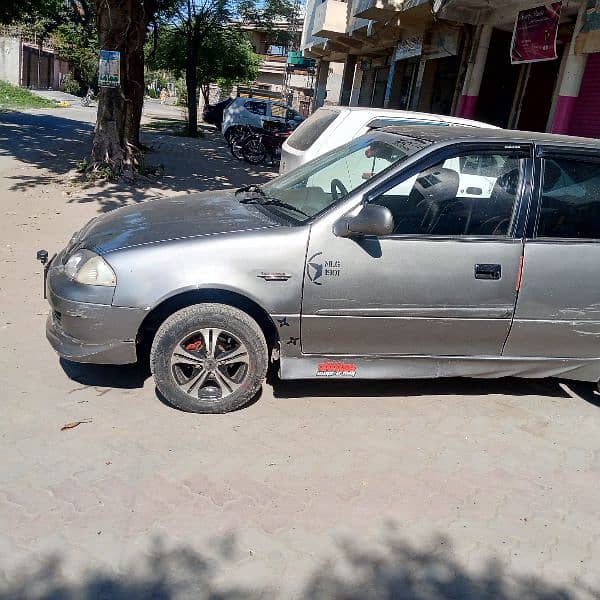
(56, 145)
(395, 570)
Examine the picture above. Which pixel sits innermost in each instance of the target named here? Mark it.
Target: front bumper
(89, 332)
(115, 352)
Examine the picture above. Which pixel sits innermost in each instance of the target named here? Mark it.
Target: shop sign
(534, 35)
(588, 39)
(109, 74)
(440, 42)
(409, 48)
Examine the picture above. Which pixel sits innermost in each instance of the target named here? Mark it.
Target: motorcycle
(87, 99)
(238, 139)
(265, 143)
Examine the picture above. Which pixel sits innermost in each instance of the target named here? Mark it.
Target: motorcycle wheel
(254, 151)
(235, 147)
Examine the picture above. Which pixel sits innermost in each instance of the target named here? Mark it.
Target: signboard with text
(534, 35)
(442, 41)
(409, 48)
(588, 39)
(109, 74)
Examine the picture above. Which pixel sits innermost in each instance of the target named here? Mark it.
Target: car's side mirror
(371, 220)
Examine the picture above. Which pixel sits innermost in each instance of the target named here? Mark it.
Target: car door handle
(487, 271)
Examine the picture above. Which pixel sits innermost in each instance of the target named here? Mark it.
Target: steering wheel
(338, 189)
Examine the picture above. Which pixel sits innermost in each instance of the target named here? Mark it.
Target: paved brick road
(424, 489)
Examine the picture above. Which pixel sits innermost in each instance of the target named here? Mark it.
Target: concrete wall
(334, 82)
(9, 60)
(275, 80)
(61, 68)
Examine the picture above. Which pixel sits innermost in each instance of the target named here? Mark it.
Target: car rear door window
(570, 199)
(258, 108)
(471, 194)
(308, 132)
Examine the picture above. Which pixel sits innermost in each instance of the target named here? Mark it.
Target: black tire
(237, 142)
(184, 323)
(254, 150)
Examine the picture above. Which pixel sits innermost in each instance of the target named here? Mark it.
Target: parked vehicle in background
(367, 262)
(238, 138)
(87, 99)
(213, 113)
(265, 144)
(255, 112)
(332, 126)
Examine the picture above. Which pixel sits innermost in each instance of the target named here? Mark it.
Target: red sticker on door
(336, 369)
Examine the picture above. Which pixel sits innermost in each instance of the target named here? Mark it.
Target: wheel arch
(182, 299)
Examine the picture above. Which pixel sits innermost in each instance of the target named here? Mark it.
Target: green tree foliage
(13, 12)
(191, 22)
(76, 39)
(272, 16)
(225, 56)
(69, 24)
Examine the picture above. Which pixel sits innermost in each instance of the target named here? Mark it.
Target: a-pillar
(570, 83)
(347, 79)
(321, 84)
(470, 92)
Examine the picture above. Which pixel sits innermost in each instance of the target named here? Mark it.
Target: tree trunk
(121, 26)
(191, 84)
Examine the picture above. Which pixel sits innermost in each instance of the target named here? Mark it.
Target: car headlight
(89, 268)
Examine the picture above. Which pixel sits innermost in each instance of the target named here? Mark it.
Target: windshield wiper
(253, 187)
(265, 200)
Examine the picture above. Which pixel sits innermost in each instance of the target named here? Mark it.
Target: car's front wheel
(209, 358)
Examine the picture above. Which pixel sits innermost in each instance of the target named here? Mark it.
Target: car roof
(258, 99)
(443, 135)
(381, 114)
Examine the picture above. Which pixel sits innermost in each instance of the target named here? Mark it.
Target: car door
(558, 309)
(443, 283)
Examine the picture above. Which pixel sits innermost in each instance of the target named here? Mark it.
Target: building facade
(26, 62)
(454, 57)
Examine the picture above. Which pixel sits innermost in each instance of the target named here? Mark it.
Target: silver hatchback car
(408, 252)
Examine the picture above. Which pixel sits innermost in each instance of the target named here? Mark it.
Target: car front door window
(467, 195)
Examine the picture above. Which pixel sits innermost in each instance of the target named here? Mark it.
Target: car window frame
(355, 197)
(555, 153)
(524, 193)
(256, 101)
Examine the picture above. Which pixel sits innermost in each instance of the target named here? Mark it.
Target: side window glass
(570, 206)
(258, 108)
(470, 194)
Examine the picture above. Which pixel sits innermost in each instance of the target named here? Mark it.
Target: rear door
(558, 309)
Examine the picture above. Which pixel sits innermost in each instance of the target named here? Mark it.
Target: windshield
(321, 182)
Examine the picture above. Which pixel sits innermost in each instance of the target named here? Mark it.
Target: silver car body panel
(393, 307)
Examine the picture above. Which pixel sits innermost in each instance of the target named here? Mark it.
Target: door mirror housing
(371, 220)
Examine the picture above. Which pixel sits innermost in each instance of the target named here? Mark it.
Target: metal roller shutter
(586, 117)
(366, 88)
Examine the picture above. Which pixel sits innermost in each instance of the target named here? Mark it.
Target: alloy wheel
(210, 363)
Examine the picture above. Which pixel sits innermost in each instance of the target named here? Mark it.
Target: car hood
(207, 213)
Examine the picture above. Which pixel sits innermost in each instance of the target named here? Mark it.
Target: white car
(254, 112)
(332, 126)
